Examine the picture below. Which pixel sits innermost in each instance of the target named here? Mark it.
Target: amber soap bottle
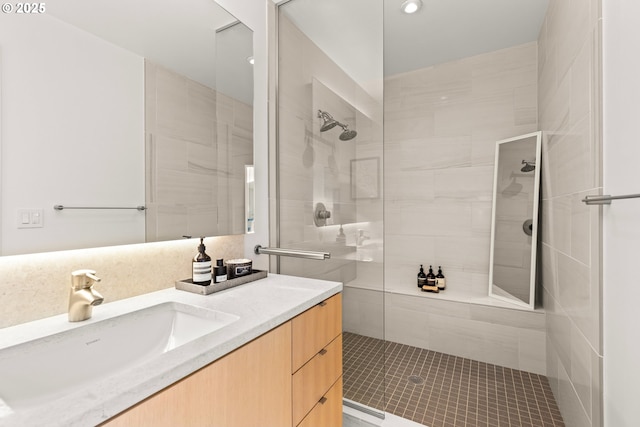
(201, 266)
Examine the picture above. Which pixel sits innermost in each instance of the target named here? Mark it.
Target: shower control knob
(324, 214)
(320, 215)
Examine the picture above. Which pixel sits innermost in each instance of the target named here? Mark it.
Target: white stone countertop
(260, 305)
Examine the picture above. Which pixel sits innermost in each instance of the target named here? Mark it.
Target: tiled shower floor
(440, 390)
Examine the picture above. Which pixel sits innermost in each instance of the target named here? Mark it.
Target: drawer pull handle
(322, 400)
(322, 304)
(322, 352)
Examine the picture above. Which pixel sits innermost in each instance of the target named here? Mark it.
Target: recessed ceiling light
(411, 6)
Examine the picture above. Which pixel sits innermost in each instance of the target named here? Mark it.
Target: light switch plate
(30, 218)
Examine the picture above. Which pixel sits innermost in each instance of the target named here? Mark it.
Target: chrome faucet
(360, 237)
(83, 297)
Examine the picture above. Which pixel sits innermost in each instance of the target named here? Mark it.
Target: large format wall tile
(569, 115)
(441, 126)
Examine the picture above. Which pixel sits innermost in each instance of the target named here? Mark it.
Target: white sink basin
(55, 365)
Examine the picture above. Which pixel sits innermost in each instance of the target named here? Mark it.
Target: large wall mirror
(514, 229)
(120, 104)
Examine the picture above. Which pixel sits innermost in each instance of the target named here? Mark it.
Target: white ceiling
(349, 31)
(180, 35)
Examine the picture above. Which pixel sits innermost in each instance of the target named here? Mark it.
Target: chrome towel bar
(291, 252)
(606, 199)
(61, 207)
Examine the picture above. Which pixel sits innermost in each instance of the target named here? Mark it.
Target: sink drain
(414, 379)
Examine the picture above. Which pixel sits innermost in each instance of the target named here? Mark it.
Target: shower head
(328, 122)
(347, 134)
(528, 166)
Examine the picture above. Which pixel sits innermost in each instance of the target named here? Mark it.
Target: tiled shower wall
(570, 118)
(315, 167)
(198, 142)
(441, 128)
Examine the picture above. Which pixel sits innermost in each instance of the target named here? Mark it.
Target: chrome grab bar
(296, 253)
(61, 207)
(606, 199)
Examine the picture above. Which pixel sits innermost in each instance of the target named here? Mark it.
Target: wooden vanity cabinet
(317, 365)
(259, 384)
(247, 387)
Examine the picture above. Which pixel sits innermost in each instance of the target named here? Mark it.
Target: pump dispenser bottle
(431, 278)
(422, 278)
(201, 271)
(440, 280)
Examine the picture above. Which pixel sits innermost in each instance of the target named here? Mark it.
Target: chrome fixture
(296, 253)
(528, 166)
(606, 199)
(328, 122)
(360, 237)
(411, 6)
(347, 133)
(83, 297)
(320, 215)
(62, 207)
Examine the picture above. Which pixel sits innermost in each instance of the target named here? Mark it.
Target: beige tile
(170, 153)
(171, 102)
(403, 256)
(581, 230)
(466, 254)
(430, 153)
(469, 184)
(596, 390)
(559, 224)
(199, 125)
(581, 81)
(481, 218)
(150, 96)
(426, 219)
(558, 330)
(403, 184)
(575, 296)
(532, 355)
(549, 267)
(526, 105)
(408, 124)
(572, 411)
(504, 69)
(573, 160)
(580, 369)
(363, 312)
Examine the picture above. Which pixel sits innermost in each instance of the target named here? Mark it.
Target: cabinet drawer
(315, 378)
(314, 329)
(327, 411)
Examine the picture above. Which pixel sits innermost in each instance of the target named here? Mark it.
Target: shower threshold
(357, 415)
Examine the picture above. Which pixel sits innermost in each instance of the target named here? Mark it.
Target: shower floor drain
(414, 379)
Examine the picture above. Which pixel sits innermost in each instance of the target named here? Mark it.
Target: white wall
(621, 293)
(67, 94)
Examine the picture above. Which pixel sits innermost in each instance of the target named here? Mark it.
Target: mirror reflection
(112, 104)
(512, 274)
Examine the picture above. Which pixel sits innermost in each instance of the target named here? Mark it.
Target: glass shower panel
(329, 169)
